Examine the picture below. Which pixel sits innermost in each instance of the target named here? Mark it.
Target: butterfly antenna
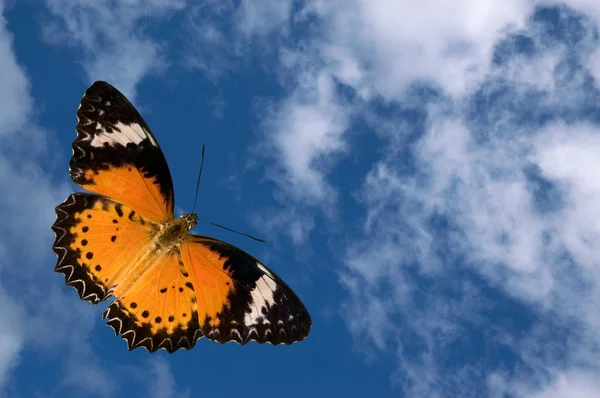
(199, 176)
(233, 230)
(210, 222)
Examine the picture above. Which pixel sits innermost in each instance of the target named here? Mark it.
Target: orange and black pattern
(115, 154)
(170, 287)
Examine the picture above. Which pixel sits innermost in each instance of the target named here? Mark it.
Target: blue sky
(425, 175)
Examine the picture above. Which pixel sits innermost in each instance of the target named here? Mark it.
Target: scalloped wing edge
(68, 270)
(118, 321)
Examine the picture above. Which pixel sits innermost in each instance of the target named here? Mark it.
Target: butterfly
(121, 240)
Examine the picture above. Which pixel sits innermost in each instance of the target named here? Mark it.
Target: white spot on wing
(122, 135)
(265, 270)
(152, 140)
(262, 295)
(236, 332)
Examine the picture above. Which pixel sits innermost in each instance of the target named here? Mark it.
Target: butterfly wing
(209, 288)
(246, 301)
(95, 240)
(158, 310)
(116, 155)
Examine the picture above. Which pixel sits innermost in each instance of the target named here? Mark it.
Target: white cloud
(223, 35)
(111, 36)
(503, 186)
(163, 383)
(369, 46)
(28, 298)
(399, 42)
(11, 336)
(156, 376)
(15, 107)
(297, 223)
(380, 49)
(495, 228)
(304, 131)
(261, 19)
(84, 374)
(574, 384)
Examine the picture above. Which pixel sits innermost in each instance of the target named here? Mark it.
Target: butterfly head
(190, 219)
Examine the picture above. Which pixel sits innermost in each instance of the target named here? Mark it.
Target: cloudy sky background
(425, 175)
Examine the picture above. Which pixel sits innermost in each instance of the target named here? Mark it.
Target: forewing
(115, 154)
(96, 239)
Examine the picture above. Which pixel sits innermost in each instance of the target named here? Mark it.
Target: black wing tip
(101, 83)
(101, 86)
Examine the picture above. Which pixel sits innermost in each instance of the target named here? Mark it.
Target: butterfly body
(171, 287)
(174, 232)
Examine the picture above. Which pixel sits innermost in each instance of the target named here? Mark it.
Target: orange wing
(206, 287)
(96, 240)
(159, 310)
(115, 154)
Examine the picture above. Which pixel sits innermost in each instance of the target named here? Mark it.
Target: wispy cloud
(163, 383)
(11, 336)
(492, 197)
(156, 377)
(224, 35)
(479, 201)
(112, 38)
(303, 132)
(16, 107)
(35, 315)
